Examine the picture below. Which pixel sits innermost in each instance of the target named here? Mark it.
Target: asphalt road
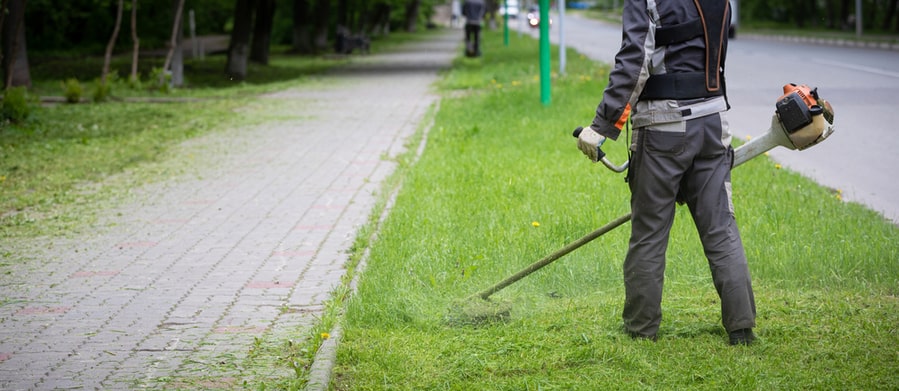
(859, 159)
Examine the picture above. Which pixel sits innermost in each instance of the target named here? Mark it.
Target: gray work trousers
(689, 162)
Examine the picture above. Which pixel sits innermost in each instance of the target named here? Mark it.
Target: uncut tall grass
(501, 184)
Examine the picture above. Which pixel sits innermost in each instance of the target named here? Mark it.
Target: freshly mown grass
(52, 165)
(501, 184)
(55, 167)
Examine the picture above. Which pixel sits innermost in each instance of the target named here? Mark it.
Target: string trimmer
(802, 119)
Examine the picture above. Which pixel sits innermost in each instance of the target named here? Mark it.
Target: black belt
(684, 85)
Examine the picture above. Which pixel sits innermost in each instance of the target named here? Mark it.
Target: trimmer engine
(804, 116)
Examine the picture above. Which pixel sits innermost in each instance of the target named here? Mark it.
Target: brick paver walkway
(248, 243)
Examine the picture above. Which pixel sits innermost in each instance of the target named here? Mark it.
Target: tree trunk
(359, 22)
(831, 14)
(302, 34)
(897, 22)
(381, 22)
(343, 13)
(888, 18)
(800, 13)
(845, 10)
(813, 12)
(3, 4)
(412, 7)
(322, 14)
(15, 54)
(262, 31)
(107, 58)
(175, 43)
(136, 49)
(239, 48)
(873, 10)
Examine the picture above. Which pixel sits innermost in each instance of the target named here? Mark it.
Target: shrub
(72, 90)
(134, 82)
(161, 80)
(16, 106)
(101, 90)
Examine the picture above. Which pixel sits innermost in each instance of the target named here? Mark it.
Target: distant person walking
(473, 11)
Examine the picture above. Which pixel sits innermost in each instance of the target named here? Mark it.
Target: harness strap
(683, 85)
(712, 26)
(715, 15)
(666, 35)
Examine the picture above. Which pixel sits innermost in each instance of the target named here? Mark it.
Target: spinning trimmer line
(801, 120)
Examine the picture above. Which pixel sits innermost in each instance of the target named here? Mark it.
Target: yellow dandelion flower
(535, 224)
(767, 154)
(325, 335)
(778, 166)
(748, 138)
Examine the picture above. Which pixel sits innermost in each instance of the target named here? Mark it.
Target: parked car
(581, 4)
(534, 17)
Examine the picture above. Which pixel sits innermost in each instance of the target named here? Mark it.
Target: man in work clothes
(668, 79)
(473, 11)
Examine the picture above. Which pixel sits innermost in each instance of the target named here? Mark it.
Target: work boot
(637, 336)
(741, 337)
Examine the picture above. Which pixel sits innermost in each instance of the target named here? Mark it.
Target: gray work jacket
(473, 11)
(640, 57)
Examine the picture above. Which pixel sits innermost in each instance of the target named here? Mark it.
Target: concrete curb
(326, 356)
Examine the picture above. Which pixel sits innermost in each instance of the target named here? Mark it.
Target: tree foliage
(55, 25)
(85, 25)
(877, 15)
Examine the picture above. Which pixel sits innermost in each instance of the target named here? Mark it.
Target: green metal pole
(506, 22)
(544, 53)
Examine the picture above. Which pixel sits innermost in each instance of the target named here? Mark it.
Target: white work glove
(589, 142)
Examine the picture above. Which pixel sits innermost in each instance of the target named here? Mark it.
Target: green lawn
(501, 184)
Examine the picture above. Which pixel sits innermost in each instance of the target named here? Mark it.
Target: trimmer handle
(602, 155)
